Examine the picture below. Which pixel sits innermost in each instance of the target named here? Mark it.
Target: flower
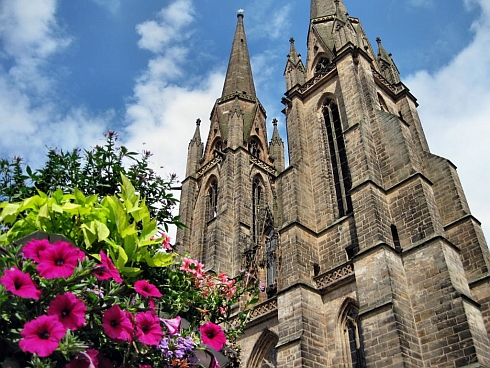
(144, 288)
(107, 269)
(33, 248)
(20, 284)
(192, 266)
(69, 309)
(212, 335)
(86, 359)
(42, 335)
(148, 329)
(172, 325)
(117, 324)
(59, 260)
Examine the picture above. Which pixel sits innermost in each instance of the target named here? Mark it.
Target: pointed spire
(321, 8)
(196, 138)
(386, 64)
(293, 55)
(276, 148)
(239, 74)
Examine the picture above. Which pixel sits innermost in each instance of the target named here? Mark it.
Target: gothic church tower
(366, 243)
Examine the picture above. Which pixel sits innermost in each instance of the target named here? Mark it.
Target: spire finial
(274, 122)
(239, 13)
(198, 122)
(291, 40)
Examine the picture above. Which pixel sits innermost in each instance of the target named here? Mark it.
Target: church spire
(239, 74)
(386, 64)
(321, 8)
(195, 150)
(295, 70)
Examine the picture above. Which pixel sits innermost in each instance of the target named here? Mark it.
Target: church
(364, 241)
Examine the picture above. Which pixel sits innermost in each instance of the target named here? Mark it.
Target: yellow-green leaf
(9, 213)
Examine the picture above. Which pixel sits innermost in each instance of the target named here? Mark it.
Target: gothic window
(352, 337)
(254, 148)
(338, 157)
(322, 66)
(218, 147)
(257, 194)
(270, 262)
(264, 353)
(212, 200)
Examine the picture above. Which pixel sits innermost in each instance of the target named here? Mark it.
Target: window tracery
(212, 200)
(352, 336)
(254, 148)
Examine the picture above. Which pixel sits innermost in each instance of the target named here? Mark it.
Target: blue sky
(70, 70)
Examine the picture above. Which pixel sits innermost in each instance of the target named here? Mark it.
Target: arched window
(264, 353)
(212, 200)
(254, 148)
(338, 157)
(271, 262)
(218, 147)
(352, 336)
(322, 66)
(257, 194)
(382, 103)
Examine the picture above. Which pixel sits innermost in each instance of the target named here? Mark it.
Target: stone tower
(365, 242)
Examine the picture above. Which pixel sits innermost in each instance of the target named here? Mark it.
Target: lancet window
(254, 148)
(338, 157)
(270, 262)
(212, 200)
(257, 194)
(353, 344)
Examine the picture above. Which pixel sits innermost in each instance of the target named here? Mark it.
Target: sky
(71, 70)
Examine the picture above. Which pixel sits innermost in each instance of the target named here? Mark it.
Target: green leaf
(43, 211)
(103, 231)
(9, 213)
(57, 208)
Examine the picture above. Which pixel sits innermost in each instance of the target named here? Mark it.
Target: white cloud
(454, 108)
(111, 5)
(30, 118)
(156, 34)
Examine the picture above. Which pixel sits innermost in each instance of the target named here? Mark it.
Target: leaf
(103, 231)
(89, 233)
(122, 258)
(57, 208)
(9, 213)
(70, 207)
(43, 211)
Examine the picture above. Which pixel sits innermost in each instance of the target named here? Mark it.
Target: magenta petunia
(212, 335)
(20, 284)
(42, 335)
(33, 248)
(118, 324)
(148, 329)
(172, 325)
(69, 309)
(87, 359)
(106, 270)
(144, 288)
(59, 260)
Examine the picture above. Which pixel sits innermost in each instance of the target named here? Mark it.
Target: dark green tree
(95, 171)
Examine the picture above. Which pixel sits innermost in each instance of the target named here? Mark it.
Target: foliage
(95, 171)
(128, 321)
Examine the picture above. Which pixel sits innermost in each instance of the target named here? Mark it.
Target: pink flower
(144, 288)
(20, 284)
(117, 324)
(59, 260)
(107, 270)
(148, 329)
(42, 335)
(192, 266)
(33, 248)
(145, 366)
(166, 242)
(212, 335)
(172, 325)
(69, 309)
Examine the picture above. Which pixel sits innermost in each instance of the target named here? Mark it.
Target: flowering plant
(109, 291)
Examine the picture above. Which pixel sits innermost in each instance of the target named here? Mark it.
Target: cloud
(421, 3)
(169, 26)
(30, 115)
(454, 109)
(111, 5)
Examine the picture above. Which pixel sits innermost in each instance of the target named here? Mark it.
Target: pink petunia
(69, 309)
(20, 284)
(33, 248)
(42, 335)
(88, 359)
(107, 270)
(144, 288)
(117, 324)
(172, 325)
(59, 260)
(148, 329)
(212, 335)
